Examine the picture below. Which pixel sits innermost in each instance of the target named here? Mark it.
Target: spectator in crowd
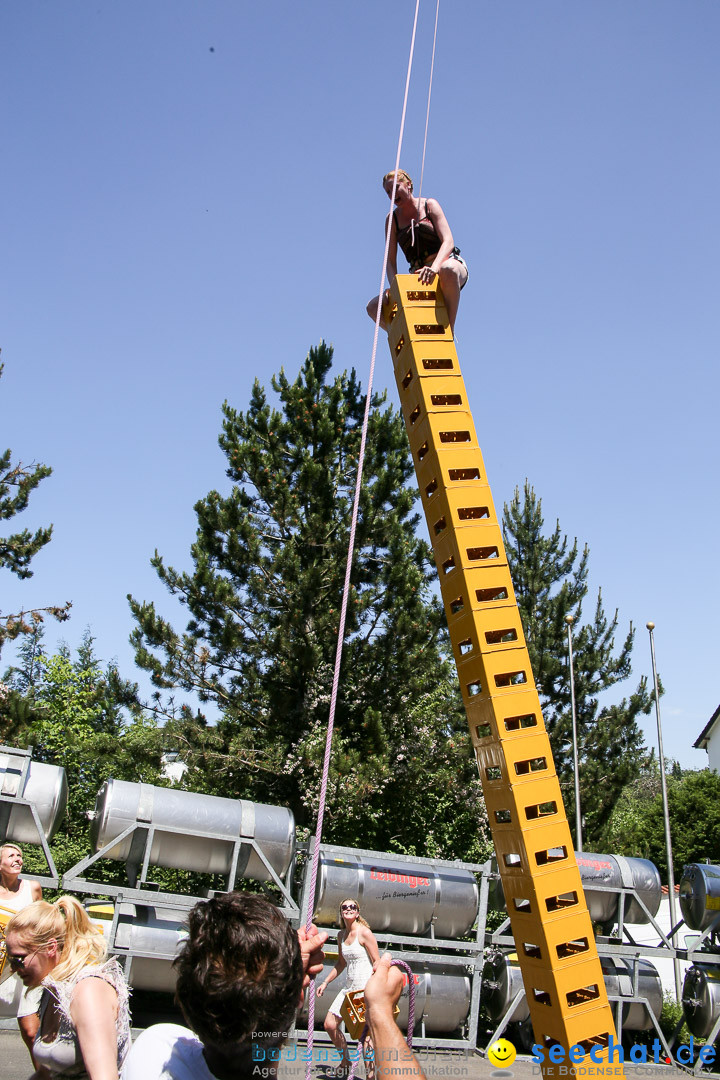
(84, 1028)
(357, 951)
(240, 976)
(17, 893)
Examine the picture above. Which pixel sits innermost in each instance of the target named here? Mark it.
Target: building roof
(704, 736)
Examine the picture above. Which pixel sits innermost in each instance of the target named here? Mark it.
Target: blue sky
(192, 198)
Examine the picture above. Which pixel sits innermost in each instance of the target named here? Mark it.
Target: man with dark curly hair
(241, 972)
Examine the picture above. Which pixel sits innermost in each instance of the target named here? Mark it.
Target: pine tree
(17, 482)
(263, 601)
(550, 580)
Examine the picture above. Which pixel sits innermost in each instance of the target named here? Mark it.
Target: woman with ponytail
(84, 1028)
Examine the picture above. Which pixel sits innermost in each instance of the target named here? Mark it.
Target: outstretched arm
(393, 1056)
(339, 967)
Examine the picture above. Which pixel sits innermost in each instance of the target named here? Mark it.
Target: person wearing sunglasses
(17, 893)
(84, 1028)
(357, 951)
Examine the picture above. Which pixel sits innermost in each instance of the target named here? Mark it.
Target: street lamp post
(666, 812)
(578, 819)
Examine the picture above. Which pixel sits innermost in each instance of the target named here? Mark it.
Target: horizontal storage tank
(700, 895)
(157, 932)
(197, 817)
(610, 872)
(45, 787)
(502, 979)
(618, 983)
(442, 996)
(616, 872)
(398, 897)
(701, 998)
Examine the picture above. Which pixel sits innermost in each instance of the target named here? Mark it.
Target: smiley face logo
(501, 1053)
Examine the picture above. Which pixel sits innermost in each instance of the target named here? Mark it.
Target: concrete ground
(448, 1065)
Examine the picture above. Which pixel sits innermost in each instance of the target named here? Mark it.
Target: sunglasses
(20, 961)
(348, 907)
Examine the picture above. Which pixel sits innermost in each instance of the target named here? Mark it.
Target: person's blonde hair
(15, 847)
(402, 177)
(350, 900)
(80, 942)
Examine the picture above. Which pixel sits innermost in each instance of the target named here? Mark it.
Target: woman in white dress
(16, 894)
(357, 951)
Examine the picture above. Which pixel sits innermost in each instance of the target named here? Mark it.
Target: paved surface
(456, 1065)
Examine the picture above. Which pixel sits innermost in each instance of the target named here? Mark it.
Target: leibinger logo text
(639, 1055)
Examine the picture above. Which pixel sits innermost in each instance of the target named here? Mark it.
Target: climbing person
(358, 951)
(419, 227)
(17, 893)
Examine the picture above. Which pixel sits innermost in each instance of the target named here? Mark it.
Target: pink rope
(348, 568)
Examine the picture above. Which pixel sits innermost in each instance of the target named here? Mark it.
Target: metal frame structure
(467, 955)
(697, 951)
(138, 864)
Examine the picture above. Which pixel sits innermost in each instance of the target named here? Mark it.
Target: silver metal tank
(501, 980)
(700, 895)
(442, 996)
(45, 786)
(701, 998)
(648, 984)
(613, 872)
(155, 932)
(616, 871)
(198, 817)
(399, 897)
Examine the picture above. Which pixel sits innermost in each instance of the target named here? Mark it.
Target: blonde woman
(420, 229)
(15, 894)
(357, 951)
(84, 1027)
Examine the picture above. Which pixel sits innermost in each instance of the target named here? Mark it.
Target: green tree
(637, 824)
(550, 580)
(17, 482)
(73, 718)
(263, 601)
(18, 712)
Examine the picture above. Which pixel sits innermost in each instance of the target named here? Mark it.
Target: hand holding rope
(411, 1015)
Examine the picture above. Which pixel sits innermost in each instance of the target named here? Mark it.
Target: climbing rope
(348, 566)
(427, 114)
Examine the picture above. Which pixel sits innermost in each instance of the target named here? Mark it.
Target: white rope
(427, 115)
(348, 565)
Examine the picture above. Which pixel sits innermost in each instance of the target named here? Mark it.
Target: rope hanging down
(427, 114)
(351, 549)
